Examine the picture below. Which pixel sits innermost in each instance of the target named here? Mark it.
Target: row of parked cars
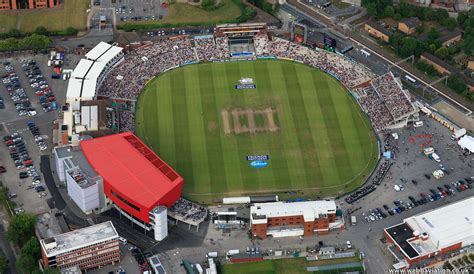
(17, 93)
(434, 194)
(36, 134)
(141, 260)
(2, 103)
(18, 151)
(39, 85)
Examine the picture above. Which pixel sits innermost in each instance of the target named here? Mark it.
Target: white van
(428, 150)
(436, 157)
(418, 124)
(122, 240)
(349, 245)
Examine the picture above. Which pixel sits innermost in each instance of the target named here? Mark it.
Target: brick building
(86, 248)
(293, 219)
(427, 237)
(409, 25)
(28, 4)
(470, 63)
(378, 31)
(451, 38)
(446, 69)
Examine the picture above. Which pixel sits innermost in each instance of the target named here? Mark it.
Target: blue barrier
(266, 57)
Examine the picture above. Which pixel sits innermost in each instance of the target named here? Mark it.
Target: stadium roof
(447, 225)
(310, 210)
(83, 82)
(443, 227)
(131, 168)
(98, 51)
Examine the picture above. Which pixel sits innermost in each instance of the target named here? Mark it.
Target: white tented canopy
(467, 142)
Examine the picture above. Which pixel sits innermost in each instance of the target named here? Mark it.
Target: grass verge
(70, 14)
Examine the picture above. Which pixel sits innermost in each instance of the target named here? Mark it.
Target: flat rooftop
(78, 159)
(79, 238)
(401, 233)
(442, 227)
(447, 225)
(309, 209)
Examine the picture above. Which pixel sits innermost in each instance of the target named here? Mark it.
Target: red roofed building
(135, 179)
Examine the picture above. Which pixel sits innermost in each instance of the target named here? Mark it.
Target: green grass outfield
(286, 266)
(324, 145)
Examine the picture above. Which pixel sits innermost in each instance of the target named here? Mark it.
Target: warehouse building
(293, 219)
(424, 238)
(86, 248)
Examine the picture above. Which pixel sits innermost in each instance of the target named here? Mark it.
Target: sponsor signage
(257, 157)
(251, 86)
(258, 164)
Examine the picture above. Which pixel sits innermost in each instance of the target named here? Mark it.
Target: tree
(208, 5)
(389, 11)
(433, 34)
(420, 29)
(29, 255)
(35, 42)
(456, 84)
(25, 264)
(408, 47)
(51, 270)
(21, 228)
(462, 17)
(468, 45)
(3, 264)
(442, 53)
(40, 30)
(372, 10)
(449, 22)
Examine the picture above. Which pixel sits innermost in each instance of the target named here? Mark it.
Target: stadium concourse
(381, 97)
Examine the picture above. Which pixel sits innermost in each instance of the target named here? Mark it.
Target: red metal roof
(132, 169)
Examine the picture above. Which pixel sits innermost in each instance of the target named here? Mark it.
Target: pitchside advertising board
(251, 86)
(258, 161)
(246, 83)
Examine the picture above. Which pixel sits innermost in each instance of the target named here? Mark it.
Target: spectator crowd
(381, 98)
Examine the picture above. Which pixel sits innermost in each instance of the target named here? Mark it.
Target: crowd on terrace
(383, 99)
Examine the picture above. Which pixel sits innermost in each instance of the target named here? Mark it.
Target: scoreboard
(329, 41)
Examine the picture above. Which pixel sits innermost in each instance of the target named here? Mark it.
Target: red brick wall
(260, 230)
(287, 220)
(387, 237)
(451, 248)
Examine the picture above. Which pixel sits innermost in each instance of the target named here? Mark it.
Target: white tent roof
(467, 142)
(98, 50)
(83, 81)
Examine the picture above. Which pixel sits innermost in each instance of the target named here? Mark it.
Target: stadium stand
(381, 97)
